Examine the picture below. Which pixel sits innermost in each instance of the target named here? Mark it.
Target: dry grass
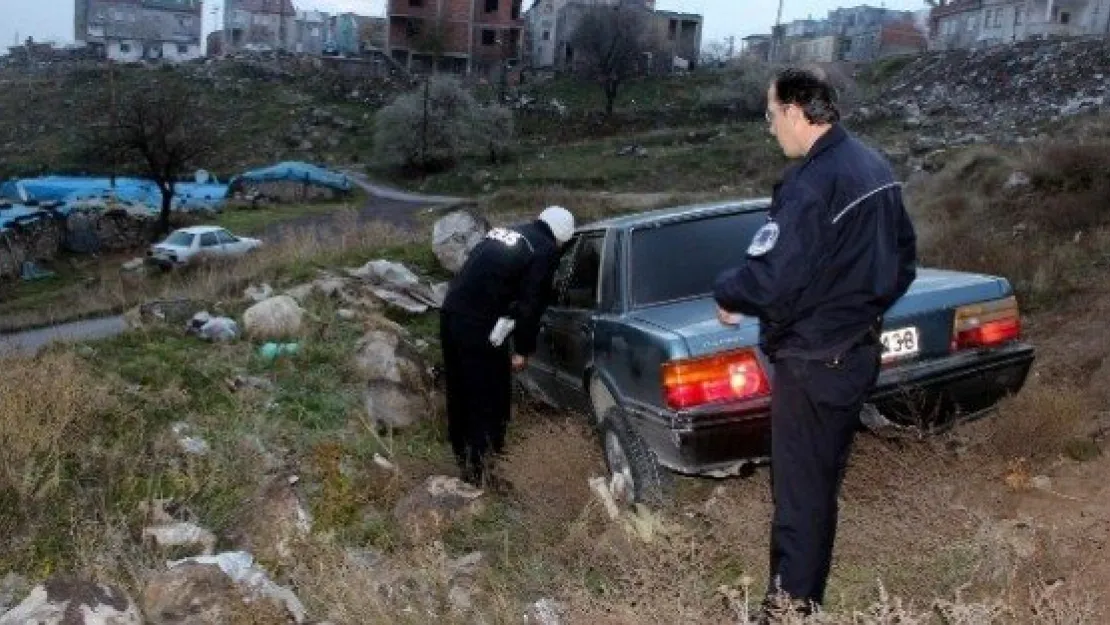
(1039, 424)
(45, 405)
(295, 253)
(969, 221)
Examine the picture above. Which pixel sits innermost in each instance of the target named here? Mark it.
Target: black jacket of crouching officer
(507, 274)
(837, 251)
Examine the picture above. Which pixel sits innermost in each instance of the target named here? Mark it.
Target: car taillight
(727, 376)
(987, 324)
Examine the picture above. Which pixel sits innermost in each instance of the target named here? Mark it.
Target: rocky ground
(1003, 95)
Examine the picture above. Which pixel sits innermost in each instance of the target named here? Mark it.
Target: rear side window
(180, 239)
(581, 288)
(681, 260)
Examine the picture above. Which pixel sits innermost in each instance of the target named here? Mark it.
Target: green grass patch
(249, 221)
(743, 157)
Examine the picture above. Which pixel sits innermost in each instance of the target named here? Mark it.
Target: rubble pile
(1004, 92)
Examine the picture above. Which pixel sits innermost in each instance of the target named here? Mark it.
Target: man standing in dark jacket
(506, 278)
(838, 249)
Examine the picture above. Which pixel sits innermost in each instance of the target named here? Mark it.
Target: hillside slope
(266, 109)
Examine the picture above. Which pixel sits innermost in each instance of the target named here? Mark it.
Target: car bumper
(724, 439)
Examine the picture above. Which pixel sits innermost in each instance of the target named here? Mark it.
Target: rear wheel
(635, 476)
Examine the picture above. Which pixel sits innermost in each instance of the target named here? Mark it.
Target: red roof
(905, 34)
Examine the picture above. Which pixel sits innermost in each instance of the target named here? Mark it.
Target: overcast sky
(52, 20)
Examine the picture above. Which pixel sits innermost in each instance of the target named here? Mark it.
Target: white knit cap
(560, 221)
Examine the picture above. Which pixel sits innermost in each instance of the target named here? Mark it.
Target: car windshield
(681, 260)
(180, 239)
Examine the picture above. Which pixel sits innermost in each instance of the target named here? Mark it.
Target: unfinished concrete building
(458, 36)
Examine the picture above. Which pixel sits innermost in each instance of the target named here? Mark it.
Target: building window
(416, 3)
(547, 35)
(182, 49)
(1019, 14)
(489, 37)
(515, 13)
(125, 48)
(1065, 17)
(491, 6)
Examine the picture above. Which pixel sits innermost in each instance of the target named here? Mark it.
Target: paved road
(29, 342)
(383, 204)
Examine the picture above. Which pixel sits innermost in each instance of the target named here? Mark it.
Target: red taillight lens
(987, 324)
(723, 377)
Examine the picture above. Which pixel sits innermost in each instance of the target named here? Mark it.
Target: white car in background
(186, 245)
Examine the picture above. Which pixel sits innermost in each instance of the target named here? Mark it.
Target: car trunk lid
(925, 312)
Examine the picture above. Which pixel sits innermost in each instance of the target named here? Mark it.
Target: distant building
(978, 23)
(355, 34)
(757, 46)
(260, 24)
(312, 33)
(678, 36)
(461, 36)
(861, 33)
(135, 30)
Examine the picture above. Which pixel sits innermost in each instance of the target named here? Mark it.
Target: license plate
(900, 343)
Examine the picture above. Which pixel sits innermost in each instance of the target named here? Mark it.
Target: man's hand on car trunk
(727, 318)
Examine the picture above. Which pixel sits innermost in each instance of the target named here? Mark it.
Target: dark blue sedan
(632, 341)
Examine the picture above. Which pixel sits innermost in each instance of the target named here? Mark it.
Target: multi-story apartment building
(134, 30)
(861, 33)
(975, 23)
(459, 36)
(260, 25)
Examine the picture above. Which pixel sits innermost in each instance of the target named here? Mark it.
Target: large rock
(383, 356)
(396, 394)
(250, 580)
(201, 594)
(454, 235)
(65, 600)
(275, 318)
(191, 594)
(391, 406)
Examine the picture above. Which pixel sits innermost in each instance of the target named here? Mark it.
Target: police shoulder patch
(764, 239)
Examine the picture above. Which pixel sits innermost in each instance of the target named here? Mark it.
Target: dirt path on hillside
(385, 204)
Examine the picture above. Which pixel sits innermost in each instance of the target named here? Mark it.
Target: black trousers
(815, 413)
(479, 392)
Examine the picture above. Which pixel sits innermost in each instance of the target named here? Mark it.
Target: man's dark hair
(811, 91)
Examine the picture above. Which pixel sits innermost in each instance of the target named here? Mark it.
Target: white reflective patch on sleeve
(504, 235)
(764, 239)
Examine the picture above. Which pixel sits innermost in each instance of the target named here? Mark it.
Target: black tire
(651, 482)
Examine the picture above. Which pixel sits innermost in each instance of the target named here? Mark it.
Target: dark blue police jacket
(837, 251)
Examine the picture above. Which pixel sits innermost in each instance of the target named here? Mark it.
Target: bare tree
(611, 43)
(161, 126)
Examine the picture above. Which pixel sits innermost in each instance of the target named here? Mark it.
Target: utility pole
(773, 50)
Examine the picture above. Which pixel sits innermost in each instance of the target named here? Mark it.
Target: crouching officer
(503, 287)
(837, 251)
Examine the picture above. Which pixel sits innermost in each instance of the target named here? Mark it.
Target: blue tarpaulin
(68, 190)
(295, 171)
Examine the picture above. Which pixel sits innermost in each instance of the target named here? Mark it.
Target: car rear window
(682, 259)
(181, 239)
